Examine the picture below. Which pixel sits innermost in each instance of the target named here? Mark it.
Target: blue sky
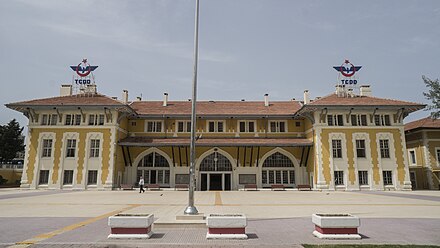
(247, 47)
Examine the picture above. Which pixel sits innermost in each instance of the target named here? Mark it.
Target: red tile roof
(334, 100)
(427, 122)
(217, 108)
(74, 100)
(148, 141)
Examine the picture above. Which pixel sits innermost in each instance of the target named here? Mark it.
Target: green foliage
(11, 140)
(433, 95)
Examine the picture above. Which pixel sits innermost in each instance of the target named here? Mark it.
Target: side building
(423, 147)
(343, 141)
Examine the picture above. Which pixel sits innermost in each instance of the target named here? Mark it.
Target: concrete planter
(336, 226)
(131, 226)
(226, 226)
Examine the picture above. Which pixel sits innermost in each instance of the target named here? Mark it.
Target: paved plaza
(45, 218)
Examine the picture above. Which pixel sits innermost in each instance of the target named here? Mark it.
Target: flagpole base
(191, 210)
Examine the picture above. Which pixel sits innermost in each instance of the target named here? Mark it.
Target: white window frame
(96, 120)
(186, 126)
(341, 177)
(49, 120)
(335, 149)
(358, 121)
(46, 151)
(335, 120)
(410, 158)
(384, 148)
(88, 177)
(387, 178)
(64, 177)
(216, 129)
(277, 127)
(154, 128)
(364, 177)
(437, 155)
(75, 120)
(70, 147)
(95, 147)
(246, 126)
(361, 148)
(380, 120)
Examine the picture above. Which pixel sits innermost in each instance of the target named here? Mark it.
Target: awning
(230, 142)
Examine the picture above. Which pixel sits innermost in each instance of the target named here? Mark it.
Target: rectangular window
(278, 127)
(339, 178)
(94, 148)
(384, 149)
(44, 120)
(360, 148)
(358, 120)
(337, 148)
(437, 151)
(47, 148)
(70, 148)
(247, 126)
(215, 126)
(335, 120)
(154, 126)
(387, 177)
(412, 157)
(68, 177)
(92, 177)
(44, 177)
(96, 120)
(184, 126)
(363, 177)
(53, 120)
(73, 120)
(382, 120)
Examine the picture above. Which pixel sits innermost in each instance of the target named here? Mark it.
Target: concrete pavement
(276, 218)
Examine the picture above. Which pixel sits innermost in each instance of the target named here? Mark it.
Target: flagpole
(191, 209)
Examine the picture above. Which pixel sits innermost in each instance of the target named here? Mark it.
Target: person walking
(141, 185)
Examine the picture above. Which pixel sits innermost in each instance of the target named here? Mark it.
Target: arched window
(215, 162)
(154, 168)
(278, 169)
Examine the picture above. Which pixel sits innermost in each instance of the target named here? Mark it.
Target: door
(204, 182)
(215, 182)
(152, 177)
(227, 181)
(412, 176)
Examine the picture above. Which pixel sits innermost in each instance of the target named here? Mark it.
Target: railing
(11, 166)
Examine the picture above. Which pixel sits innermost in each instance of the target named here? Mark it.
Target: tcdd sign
(348, 70)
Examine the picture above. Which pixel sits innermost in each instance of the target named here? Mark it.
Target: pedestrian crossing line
(48, 235)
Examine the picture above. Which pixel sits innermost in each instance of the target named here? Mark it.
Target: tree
(11, 140)
(433, 95)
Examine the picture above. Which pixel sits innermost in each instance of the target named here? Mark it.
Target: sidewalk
(275, 218)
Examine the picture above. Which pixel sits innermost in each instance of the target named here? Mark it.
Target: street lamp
(191, 209)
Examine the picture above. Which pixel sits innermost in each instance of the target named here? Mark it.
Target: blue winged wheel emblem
(83, 69)
(347, 69)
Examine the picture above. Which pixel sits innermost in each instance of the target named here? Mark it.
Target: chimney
(165, 99)
(350, 93)
(306, 97)
(66, 90)
(125, 96)
(365, 90)
(266, 100)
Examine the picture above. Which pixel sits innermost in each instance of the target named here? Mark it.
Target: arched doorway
(215, 172)
(278, 169)
(155, 169)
